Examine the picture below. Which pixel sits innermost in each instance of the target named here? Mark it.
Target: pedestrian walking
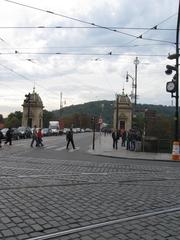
(39, 138)
(123, 137)
(69, 139)
(115, 137)
(34, 137)
(1, 137)
(8, 137)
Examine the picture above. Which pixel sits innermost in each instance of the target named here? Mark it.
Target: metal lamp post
(117, 112)
(28, 113)
(136, 62)
(134, 81)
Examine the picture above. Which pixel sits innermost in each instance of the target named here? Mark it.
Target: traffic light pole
(177, 79)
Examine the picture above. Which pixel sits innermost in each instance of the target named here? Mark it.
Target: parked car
(25, 132)
(88, 130)
(46, 132)
(4, 130)
(16, 134)
(65, 130)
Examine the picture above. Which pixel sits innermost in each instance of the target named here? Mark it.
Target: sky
(84, 49)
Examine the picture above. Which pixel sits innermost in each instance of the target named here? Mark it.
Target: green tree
(14, 119)
(47, 116)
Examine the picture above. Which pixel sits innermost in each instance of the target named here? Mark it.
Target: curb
(131, 158)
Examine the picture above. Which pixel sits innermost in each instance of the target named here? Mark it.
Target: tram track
(85, 182)
(104, 224)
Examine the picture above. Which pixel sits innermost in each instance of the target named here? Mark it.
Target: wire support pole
(177, 78)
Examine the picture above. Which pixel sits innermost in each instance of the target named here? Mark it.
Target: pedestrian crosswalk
(57, 148)
(54, 147)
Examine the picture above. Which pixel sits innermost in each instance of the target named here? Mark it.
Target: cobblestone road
(87, 197)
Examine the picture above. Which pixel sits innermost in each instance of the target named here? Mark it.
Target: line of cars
(26, 132)
(18, 133)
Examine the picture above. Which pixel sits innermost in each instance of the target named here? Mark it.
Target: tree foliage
(14, 119)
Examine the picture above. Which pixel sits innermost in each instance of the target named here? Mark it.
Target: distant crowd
(128, 138)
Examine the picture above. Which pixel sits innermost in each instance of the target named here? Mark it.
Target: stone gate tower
(32, 110)
(122, 118)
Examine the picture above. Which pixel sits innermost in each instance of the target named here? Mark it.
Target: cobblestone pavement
(87, 198)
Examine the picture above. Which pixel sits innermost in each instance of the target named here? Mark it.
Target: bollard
(175, 151)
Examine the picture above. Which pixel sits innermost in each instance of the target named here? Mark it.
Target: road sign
(100, 121)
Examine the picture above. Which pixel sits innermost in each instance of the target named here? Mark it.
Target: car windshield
(21, 128)
(4, 130)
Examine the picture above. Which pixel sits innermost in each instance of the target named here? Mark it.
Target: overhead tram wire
(83, 27)
(85, 22)
(22, 76)
(4, 41)
(13, 71)
(90, 46)
(84, 54)
(155, 27)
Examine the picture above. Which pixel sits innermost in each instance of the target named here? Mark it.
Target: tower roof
(34, 99)
(124, 99)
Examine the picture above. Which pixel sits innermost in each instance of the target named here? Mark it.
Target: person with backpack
(69, 139)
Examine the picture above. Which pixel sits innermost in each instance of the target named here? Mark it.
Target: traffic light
(170, 69)
(171, 86)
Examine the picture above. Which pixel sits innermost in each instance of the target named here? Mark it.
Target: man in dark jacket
(69, 138)
(1, 137)
(115, 137)
(9, 136)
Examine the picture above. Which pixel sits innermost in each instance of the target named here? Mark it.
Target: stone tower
(32, 110)
(122, 118)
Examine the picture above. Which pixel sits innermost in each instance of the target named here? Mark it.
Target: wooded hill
(105, 109)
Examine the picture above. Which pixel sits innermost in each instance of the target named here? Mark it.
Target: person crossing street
(69, 139)
(34, 137)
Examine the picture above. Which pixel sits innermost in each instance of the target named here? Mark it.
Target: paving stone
(37, 227)
(5, 220)
(7, 233)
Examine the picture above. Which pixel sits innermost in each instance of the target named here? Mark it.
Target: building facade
(122, 117)
(32, 110)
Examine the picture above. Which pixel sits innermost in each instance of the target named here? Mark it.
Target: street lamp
(134, 81)
(136, 62)
(28, 96)
(133, 84)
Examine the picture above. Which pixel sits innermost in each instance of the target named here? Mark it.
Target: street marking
(49, 147)
(61, 148)
(73, 150)
(103, 224)
(19, 144)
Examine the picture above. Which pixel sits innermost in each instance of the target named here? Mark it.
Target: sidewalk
(103, 147)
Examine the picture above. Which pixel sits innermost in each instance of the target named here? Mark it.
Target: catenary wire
(82, 54)
(89, 23)
(82, 27)
(153, 28)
